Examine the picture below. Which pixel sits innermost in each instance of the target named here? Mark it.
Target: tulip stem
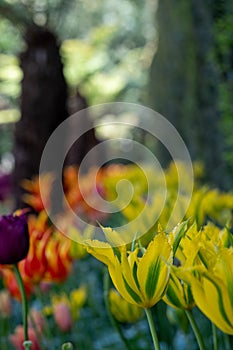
(112, 318)
(195, 329)
(227, 342)
(27, 343)
(215, 337)
(152, 329)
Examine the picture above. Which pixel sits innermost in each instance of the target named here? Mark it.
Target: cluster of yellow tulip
(206, 203)
(206, 258)
(184, 268)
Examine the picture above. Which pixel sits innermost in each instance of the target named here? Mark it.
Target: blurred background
(59, 56)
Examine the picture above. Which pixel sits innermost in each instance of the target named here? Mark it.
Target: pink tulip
(36, 319)
(17, 338)
(62, 316)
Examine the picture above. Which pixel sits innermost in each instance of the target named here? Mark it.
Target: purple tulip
(14, 238)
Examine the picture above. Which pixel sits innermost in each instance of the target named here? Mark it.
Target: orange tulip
(33, 197)
(82, 193)
(58, 257)
(48, 259)
(10, 283)
(34, 267)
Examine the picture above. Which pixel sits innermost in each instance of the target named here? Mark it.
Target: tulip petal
(153, 278)
(101, 251)
(224, 267)
(211, 297)
(153, 272)
(133, 262)
(118, 281)
(132, 293)
(113, 237)
(127, 272)
(174, 293)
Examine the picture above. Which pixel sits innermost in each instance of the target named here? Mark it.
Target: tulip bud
(123, 311)
(14, 238)
(67, 346)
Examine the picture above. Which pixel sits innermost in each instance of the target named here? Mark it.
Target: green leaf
(179, 235)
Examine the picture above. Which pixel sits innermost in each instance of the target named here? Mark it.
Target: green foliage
(5, 139)
(10, 41)
(10, 77)
(191, 80)
(111, 49)
(106, 48)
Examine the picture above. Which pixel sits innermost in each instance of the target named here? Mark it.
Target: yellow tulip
(178, 294)
(123, 311)
(140, 279)
(212, 290)
(211, 280)
(77, 299)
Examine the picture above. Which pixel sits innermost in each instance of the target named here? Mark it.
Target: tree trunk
(185, 81)
(43, 108)
(43, 103)
(87, 141)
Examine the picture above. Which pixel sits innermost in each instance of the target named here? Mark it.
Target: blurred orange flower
(82, 193)
(33, 197)
(58, 257)
(48, 259)
(11, 284)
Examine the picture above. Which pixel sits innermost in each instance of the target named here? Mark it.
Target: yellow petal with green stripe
(153, 270)
(224, 268)
(212, 298)
(178, 294)
(127, 271)
(121, 285)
